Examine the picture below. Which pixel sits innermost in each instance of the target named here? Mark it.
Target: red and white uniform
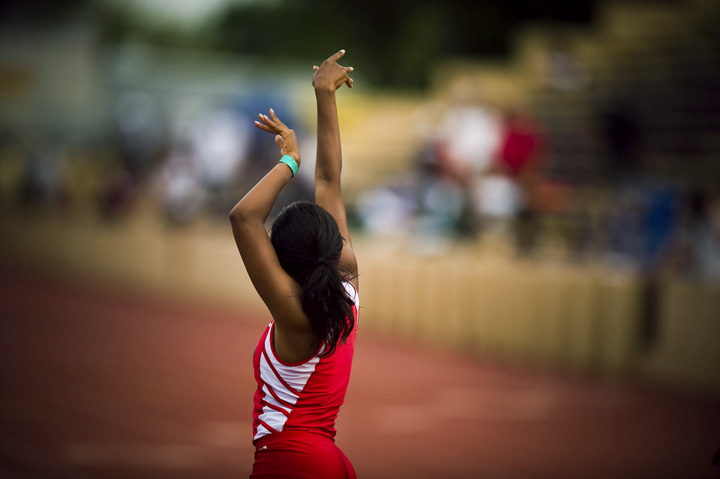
(304, 396)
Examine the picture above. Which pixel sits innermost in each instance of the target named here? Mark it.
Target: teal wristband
(290, 161)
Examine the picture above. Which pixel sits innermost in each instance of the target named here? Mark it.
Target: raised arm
(327, 78)
(278, 290)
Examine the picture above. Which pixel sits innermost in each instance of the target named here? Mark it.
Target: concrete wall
(546, 315)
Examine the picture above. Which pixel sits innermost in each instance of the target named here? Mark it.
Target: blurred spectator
(642, 224)
(386, 211)
(12, 170)
(139, 136)
(177, 186)
(220, 143)
(620, 133)
(518, 167)
(470, 133)
(563, 72)
(118, 194)
(469, 136)
(497, 197)
(520, 145)
(440, 197)
(701, 247)
(427, 201)
(44, 184)
(660, 232)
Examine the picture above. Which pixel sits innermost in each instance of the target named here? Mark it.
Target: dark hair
(308, 244)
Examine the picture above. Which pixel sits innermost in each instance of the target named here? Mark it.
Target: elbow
(327, 180)
(242, 215)
(237, 215)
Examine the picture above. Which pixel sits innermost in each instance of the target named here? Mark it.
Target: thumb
(279, 141)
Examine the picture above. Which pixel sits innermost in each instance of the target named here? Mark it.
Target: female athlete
(306, 274)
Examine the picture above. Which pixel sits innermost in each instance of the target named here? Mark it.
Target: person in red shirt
(306, 274)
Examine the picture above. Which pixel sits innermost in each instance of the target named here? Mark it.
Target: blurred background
(533, 185)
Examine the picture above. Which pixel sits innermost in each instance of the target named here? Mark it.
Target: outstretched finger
(264, 127)
(276, 120)
(337, 56)
(348, 80)
(267, 121)
(273, 125)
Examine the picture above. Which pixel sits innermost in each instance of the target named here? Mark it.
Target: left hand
(284, 136)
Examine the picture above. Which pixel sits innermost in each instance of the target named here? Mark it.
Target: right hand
(284, 136)
(330, 75)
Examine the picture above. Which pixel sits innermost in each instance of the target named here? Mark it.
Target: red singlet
(295, 407)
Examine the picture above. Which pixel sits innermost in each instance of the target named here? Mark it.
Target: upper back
(306, 395)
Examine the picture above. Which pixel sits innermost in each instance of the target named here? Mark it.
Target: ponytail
(328, 307)
(308, 244)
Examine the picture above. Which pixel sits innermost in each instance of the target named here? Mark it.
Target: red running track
(101, 383)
